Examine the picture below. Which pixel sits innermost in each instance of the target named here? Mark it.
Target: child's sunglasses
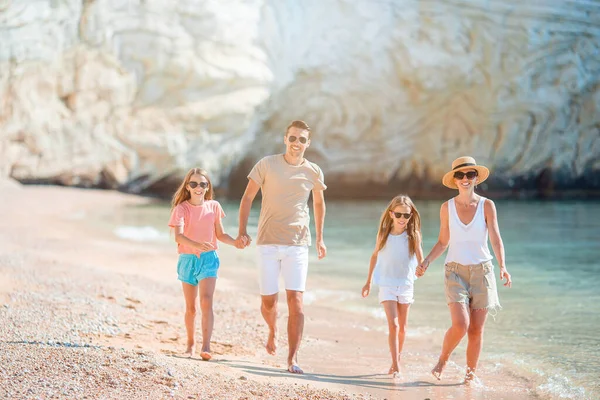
(301, 139)
(470, 175)
(398, 215)
(203, 185)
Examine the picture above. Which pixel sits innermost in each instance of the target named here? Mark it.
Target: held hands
(239, 243)
(366, 289)
(243, 240)
(504, 274)
(422, 268)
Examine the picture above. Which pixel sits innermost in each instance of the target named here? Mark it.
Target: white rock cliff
(130, 94)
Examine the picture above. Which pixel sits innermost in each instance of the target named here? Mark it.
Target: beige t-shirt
(284, 216)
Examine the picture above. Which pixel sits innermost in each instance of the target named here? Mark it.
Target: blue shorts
(191, 269)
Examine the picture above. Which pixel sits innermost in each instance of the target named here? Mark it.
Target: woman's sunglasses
(398, 215)
(203, 185)
(301, 139)
(470, 175)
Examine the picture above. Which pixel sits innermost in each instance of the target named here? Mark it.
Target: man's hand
(321, 249)
(239, 243)
(244, 238)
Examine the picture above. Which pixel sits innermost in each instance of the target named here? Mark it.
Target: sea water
(549, 328)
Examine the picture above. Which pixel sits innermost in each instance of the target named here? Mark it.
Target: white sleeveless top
(394, 266)
(468, 244)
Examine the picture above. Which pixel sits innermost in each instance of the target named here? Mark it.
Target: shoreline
(76, 290)
(378, 192)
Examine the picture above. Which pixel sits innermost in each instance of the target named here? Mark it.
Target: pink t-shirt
(198, 223)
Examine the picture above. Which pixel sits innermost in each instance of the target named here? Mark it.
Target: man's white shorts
(291, 261)
(400, 294)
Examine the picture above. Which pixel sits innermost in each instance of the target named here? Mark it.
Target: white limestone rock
(126, 93)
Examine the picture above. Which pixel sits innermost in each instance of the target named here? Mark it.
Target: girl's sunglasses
(203, 185)
(301, 139)
(398, 215)
(470, 175)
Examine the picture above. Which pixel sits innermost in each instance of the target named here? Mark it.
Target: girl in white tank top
(393, 266)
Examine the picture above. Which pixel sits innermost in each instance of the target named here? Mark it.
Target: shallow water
(548, 329)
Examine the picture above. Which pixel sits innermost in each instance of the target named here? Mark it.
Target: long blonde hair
(413, 227)
(182, 193)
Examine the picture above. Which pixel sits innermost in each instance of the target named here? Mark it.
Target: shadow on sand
(372, 381)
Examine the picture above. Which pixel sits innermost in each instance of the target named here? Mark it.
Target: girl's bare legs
(207, 290)
(391, 312)
(402, 322)
(190, 293)
(460, 324)
(475, 343)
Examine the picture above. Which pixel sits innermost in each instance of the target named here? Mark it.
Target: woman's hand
(504, 274)
(366, 289)
(422, 268)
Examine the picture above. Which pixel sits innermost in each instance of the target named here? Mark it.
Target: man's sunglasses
(398, 215)
(203, 185)
(470, 175)
(301, 139)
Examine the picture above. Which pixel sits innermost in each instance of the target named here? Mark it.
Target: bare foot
(393, 369)
(469, 376)
(271, 345)
(438, 369)
(205, 352)
(295, 369)
(191, 348)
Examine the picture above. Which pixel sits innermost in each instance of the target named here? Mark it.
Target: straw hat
(465, 164)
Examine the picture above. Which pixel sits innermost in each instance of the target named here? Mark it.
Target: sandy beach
(85, 314)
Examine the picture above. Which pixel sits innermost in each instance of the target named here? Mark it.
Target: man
(286, 181)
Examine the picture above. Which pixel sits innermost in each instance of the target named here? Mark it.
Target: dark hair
(300, 125)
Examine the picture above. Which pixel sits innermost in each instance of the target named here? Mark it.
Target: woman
(465, 221)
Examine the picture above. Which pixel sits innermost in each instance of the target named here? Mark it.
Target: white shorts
(401, 294)
(291, 261)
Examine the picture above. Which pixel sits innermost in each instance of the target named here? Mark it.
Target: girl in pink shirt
(196, 220)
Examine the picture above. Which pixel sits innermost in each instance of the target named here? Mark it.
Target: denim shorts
(473, 285)
(191, 268)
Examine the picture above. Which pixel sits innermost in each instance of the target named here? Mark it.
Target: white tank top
(394, 266)
(468, 243)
